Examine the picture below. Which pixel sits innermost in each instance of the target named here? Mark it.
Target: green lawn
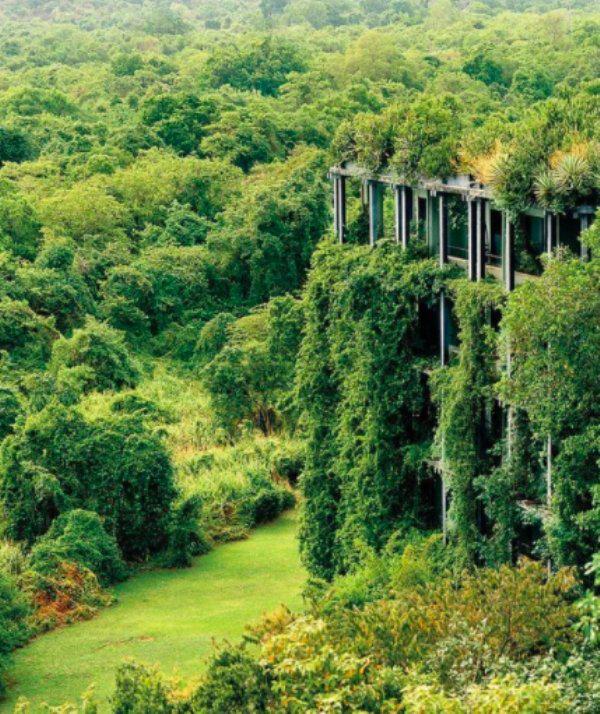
(165, 617)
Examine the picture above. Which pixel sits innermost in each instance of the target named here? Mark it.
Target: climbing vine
(367, 416)
(464, 392)
(550, 328)
(364, 401)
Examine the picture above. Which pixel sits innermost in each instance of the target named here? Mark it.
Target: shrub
(454, 632)
(14, 610)
(266, 505)
(213, 337)
(58, 461)
(78, 536)
(10, 408)
(69, 593)
(140, 690)
(185, 535)
(234, 682)
(289, 460)
(26, 337)
(237, 488)
(103, 349)
(13, 559)
(504, 696)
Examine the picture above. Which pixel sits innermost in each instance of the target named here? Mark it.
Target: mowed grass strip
(167, 617)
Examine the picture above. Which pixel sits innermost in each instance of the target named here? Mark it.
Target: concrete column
(443, 233)
(341, 207)
(550, 238)
(375, 211)
(472, 239)
(398, 215)
(443, 329)
(508, 256)
(479, 259)
(336, 227)
(401, 215)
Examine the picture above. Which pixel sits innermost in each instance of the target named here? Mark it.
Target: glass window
(569, 228)
(530, 243)
(457, 228)
(494, 246)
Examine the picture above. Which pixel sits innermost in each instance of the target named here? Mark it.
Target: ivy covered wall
(365, 402)
(378, 417)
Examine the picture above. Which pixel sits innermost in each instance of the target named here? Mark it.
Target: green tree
(10, 409)
(19, 224)
(14, 146)
(100, 348)
(180, 120)
(83, 210)
(14, 631)
(78, 536)
(265, 243)
(25, 336)
(263, 65)
(57, 461)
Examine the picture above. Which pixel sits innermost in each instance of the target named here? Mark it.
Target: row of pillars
(373, 198)
(402, 213)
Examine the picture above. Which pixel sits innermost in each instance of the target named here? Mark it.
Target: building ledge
(435, 185)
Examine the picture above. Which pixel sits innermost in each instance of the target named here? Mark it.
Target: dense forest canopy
(183, 344)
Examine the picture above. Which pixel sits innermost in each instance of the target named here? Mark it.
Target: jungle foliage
(180, 340)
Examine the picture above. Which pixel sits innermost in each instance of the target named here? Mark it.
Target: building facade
(458, 221)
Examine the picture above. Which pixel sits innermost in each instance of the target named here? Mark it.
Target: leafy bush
(139, 690)
(234, 682)
(57, 461)
(67, 594)
(10, 409)
(266, 505)
(102, 349)
(289, 460)
(451, 633)
(14, 610)
(185, 537)
(79, 537)
(504, 696)
(237, 488)
(14, 561)
(25, 336)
